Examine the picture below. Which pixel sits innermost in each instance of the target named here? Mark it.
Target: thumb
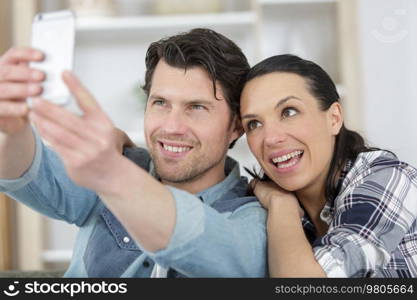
(252, 183)
(84, 98)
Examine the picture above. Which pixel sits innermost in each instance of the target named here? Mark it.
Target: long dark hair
(348, 143)
(219, 56)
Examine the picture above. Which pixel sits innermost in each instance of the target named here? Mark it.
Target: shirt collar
(216, 191)
(327, 212)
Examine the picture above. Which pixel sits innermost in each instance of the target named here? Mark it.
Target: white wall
(388, 48)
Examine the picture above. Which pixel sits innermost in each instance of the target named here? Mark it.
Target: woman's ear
(335, 115)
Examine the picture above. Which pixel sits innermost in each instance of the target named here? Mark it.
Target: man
(191, 217)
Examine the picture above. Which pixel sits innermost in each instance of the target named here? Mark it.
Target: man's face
(188, 131)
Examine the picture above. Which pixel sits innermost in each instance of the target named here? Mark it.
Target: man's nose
(175, 123)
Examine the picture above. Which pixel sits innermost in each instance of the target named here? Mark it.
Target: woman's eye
(289, 112)
(253, 124)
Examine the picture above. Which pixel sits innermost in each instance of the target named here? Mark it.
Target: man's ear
(335, 115)
(237, 130)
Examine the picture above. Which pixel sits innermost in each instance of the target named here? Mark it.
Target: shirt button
(145, 264)
(325, 214)
(126, 239)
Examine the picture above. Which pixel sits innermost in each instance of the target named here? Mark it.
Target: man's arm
(29, 171)
(145, 206)
(17, 82)
(206, 243)
(16, 153)
(86, 144)
(46, 188)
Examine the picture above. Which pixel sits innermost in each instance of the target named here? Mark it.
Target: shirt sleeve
(369, 223)
(46, 188)
(206, 243)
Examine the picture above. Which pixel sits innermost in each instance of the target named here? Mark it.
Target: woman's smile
(285, 161)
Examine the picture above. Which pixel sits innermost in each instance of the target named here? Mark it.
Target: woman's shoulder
(378, 166)
(379, 159)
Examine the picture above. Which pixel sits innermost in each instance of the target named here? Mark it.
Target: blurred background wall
(5, 203)
(367, 46)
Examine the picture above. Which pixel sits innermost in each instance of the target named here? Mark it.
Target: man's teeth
(176, 149)
(288, 156)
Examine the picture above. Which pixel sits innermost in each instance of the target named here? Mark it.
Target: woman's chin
(290, 185)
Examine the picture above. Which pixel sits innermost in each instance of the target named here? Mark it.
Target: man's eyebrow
(186, 102)
(200, 101)
(155, 96)
(280, 102)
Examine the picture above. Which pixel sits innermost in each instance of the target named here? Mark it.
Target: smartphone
(53, 33)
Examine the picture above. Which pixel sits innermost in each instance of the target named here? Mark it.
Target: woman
(336, 207)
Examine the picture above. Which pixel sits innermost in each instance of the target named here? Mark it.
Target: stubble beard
(191, 169)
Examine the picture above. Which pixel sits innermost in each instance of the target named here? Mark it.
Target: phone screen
(54, 34)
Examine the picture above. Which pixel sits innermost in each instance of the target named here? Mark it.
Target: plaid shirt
(372, 222)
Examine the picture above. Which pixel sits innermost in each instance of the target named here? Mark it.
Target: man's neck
(202, 181)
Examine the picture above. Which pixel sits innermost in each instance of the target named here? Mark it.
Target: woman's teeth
(286, 157)
(287, 165)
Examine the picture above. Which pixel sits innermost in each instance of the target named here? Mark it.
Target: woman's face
(290, 136)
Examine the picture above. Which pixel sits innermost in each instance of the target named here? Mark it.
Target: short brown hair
(223, 60)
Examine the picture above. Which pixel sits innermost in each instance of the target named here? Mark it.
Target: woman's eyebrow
(280, 102)
(249, 116)
(283, 100)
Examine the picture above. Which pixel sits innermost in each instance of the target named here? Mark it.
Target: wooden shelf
(237, 19)
(286, 2)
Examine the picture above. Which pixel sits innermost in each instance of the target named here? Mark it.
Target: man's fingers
(66, 144)
(13, 109)
(56, 134)
(20, 73)
(16, 55)
(62, 117)
(19, 90)
(69, 156)
(84, 98)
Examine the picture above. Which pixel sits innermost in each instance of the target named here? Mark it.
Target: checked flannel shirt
(372, 221)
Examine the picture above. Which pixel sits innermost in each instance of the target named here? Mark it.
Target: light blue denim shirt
(219, 232)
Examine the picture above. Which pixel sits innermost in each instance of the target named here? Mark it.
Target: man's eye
(253, 124)
(289, 112)
(159, 102)
(198, 107)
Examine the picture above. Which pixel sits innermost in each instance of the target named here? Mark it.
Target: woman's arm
(289, 252)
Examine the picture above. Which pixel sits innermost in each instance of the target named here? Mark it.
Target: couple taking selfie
(324, 204)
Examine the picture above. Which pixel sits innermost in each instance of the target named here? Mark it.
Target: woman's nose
(274, 135)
